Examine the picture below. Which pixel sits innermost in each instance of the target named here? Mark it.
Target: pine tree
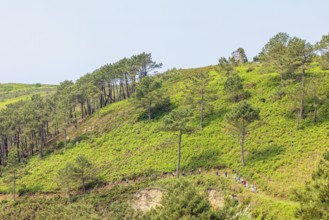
(182, 201)
(179, 120)
(323, 48)
(199, 94)
(239, 118)
(148, 94)
(314, 198)
(12, 165)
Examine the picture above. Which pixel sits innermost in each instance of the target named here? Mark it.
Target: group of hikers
(235, 176)
(244, 182)
(192, 172)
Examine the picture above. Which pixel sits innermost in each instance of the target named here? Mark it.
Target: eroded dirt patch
(216, 199)
(6, 197)
(146, 199)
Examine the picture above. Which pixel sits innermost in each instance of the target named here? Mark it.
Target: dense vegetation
(125, 124)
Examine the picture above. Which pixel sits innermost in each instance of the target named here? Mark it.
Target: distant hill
(14, 92)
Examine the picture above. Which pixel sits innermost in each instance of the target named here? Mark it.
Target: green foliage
(149, 94)
(242, 113)
(233, 88)
(37, 85)
(240, 56)
(314, 198)
(68, 212)
(121, 146)
(12, 166)
(199, 95)
(146, 64)
(77, 173)
(179, 120)
(12, 93)
(182, 201)
(323, 47)
(226, 65)
(239, 118)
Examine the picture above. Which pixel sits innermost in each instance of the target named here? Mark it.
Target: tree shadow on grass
(158, 111)
(214, 116)
(265, 154)
(206, 159)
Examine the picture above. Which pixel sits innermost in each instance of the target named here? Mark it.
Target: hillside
(122, 144)
(13, 92)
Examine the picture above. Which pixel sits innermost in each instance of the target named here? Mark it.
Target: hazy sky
(49, 41)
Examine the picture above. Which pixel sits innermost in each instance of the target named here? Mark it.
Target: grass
(279, 158)
(11, 92)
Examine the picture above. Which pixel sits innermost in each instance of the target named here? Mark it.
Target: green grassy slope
(279, 158)
(13, 92)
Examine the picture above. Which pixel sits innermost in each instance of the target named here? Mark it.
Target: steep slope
(122, 144)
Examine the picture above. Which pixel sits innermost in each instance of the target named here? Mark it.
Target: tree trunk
(17, 147)
(83, 183)
(98, 109)
(314, 116)
(117, 94)
(88, 107)
(64, 139)
(291, 74)
(201, 111)
(14, 184)
(242, 143)
(122, 89)
(81, 104)
(6, 146)
(149, 110)
(178, 153)
(41, 142)
(47, 133)
(301, 110)
(127, 85)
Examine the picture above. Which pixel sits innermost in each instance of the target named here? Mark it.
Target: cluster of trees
(27, 126)
(288, 55)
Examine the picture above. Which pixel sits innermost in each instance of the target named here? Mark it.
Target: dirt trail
(108, 186)
(148, 198)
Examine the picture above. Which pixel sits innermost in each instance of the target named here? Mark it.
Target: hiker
(192, 171)
(217, 172)
(199, 170)
(225, 174)
(238, 179)
(173, 174)
(183, 172)
(127, 181)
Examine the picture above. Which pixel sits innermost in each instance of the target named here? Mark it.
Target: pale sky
(48, 41)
